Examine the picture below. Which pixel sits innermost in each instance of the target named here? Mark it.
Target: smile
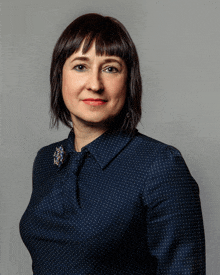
(94, 102)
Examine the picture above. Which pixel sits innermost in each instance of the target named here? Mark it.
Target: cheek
(67, 92)
(69, 86)
(119, 89)
(66, 83)
(121, 95)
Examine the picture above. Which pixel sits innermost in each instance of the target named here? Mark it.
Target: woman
(108, 200)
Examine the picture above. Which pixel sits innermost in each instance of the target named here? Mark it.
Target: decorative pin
(59, 156)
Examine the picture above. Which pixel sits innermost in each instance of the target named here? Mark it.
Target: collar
(104, 148)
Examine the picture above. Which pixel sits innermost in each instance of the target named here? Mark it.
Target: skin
(87, 76)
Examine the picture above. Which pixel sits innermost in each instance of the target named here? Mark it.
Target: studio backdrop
(178, 43)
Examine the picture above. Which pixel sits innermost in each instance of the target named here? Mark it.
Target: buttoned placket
(71, 194)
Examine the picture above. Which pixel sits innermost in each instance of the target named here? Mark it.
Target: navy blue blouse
(123, 205)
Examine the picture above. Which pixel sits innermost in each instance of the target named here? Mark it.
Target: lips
(94, 101)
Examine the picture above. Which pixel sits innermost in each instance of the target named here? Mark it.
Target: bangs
(110, 38)
(106, 44)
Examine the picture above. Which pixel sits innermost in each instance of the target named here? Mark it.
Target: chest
(104, 202)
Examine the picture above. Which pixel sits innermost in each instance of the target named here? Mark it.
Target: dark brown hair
(111, 38)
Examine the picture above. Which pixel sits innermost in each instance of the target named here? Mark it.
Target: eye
(79, 68)
(111, 69)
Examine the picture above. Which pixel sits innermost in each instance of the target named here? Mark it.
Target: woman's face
(93, 87)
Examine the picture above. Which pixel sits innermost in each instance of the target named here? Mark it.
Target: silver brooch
(59, 156)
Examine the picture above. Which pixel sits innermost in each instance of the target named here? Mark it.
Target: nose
(95, 82)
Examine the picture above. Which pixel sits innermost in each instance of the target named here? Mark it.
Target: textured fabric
(123, 205)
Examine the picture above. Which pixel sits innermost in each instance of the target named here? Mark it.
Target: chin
(91, 121)
(96, 121)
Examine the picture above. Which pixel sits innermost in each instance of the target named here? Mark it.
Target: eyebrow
(80, 58)
(107, 60)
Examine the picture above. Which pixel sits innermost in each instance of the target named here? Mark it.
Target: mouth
(94, 101)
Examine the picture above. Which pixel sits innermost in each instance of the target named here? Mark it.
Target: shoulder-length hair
(111, 38)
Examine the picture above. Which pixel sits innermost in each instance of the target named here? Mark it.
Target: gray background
(179, 48)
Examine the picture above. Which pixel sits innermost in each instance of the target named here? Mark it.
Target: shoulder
(164, 157)
(51, 147)
(150, 149)
(149, 142)
(44, 161)
(147, 157)
(167, 173)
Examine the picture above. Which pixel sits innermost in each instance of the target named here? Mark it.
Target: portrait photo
(110, 137)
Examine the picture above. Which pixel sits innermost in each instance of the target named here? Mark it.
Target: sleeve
(175, 233)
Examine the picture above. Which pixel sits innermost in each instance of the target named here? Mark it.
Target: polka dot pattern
(123, 205)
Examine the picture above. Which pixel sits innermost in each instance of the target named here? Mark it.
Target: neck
(85, 135)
